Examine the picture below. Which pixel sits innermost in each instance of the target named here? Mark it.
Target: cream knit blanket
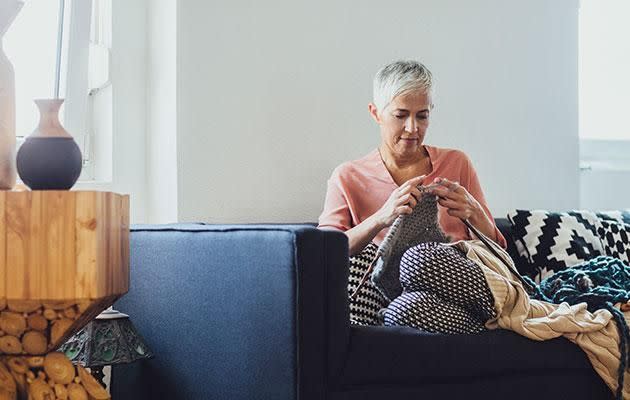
(596, 333)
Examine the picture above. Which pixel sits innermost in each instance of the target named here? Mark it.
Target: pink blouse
(359, 188)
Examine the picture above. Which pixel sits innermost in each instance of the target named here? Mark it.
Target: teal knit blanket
(600, 283)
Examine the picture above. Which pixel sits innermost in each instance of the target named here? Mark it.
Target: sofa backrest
(504, 225)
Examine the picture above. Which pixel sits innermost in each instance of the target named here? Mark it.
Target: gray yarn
(408, 230)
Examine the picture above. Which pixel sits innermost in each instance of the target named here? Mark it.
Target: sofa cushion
(553, 241)
(522, 263)
(401, 355)
(614, 215)
(616, 239)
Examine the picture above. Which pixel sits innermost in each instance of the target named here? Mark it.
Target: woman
(365, 196)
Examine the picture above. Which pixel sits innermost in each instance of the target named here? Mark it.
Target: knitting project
(408, 230)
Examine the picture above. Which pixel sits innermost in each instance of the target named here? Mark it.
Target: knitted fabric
(407, 231)
(600, 283)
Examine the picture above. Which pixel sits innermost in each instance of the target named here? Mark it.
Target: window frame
(596, 154)
(74, 49)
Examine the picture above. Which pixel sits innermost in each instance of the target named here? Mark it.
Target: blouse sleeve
(474, 188)
(336, 213)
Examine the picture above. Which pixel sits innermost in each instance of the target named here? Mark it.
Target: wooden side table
(64, 258)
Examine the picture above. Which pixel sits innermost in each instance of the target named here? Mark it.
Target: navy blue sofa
(248, 312)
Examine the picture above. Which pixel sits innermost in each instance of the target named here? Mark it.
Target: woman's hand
(459, 203)
(401, 201)
(456, 199)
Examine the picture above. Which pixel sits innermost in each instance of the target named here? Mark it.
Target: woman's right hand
(401, 201)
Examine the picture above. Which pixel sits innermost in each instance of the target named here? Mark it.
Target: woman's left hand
(456, 199)
(459, 203)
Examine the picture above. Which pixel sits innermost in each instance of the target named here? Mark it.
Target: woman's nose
(411, 125)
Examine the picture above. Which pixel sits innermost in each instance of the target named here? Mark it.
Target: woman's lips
(409, 143)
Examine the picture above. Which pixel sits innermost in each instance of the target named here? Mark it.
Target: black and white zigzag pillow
(553, 241)
(616, 239)
(364, 310)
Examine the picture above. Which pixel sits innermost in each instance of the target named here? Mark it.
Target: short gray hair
(398, 78)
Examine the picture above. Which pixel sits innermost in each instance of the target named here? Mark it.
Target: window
(604, 87)
(31, 45)
(61, 48)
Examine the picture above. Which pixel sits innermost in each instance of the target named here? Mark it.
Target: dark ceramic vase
(49, 159)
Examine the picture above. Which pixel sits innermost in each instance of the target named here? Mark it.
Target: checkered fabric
(616, 239)
(443, 292)
(365, 308)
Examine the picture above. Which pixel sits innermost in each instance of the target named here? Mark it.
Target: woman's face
(404, 122)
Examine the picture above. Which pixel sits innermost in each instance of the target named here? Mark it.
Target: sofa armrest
(236, 311)
(323, 310)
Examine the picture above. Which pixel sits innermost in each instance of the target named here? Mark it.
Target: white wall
(603, 182)
(273, 95)
(161, 150)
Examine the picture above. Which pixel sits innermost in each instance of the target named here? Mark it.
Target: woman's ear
(374, 112)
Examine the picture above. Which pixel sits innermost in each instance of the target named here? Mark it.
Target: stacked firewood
(33, 328)
(49, 377)
(28, 369)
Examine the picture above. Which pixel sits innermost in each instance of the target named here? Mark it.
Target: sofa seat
(401, 355)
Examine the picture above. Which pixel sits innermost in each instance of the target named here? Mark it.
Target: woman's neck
(402, 169)
(400, 163)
